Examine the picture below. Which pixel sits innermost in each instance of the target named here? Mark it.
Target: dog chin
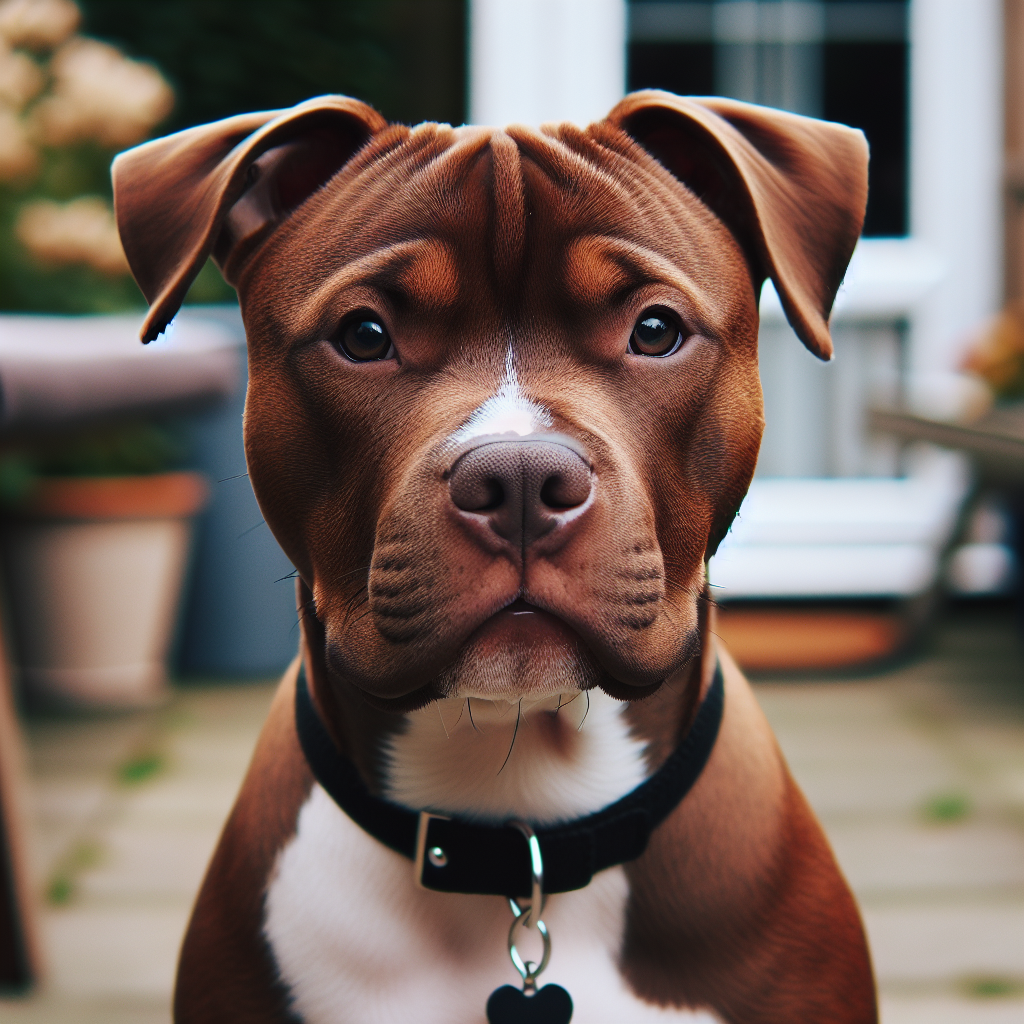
(514, 673)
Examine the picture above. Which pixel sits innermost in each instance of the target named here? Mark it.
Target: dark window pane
(683, 68)
(866, 86)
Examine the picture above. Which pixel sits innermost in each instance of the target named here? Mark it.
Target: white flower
(20, 77)
(82, 231)
(100, 94)
(38, 24)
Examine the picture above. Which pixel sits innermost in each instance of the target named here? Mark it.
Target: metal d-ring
(529, 917)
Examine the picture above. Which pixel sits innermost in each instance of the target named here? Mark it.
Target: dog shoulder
(226, 971)
(768, 930)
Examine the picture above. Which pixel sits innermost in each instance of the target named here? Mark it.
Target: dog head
(503, 398)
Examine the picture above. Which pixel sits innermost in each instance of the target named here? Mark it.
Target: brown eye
(655, 334)
(365, 339)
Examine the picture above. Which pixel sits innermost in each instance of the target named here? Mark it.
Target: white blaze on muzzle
(507, 411)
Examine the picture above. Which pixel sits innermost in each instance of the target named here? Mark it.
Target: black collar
(493, 859)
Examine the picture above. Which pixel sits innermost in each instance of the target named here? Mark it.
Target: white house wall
(956, 147)
(533, 61)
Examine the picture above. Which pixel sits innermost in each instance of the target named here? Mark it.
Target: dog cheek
(284, 470)
(726, 449)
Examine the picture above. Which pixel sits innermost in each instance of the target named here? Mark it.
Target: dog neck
(547, 758)
(544, 760)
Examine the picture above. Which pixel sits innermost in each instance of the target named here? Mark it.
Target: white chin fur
(547, 757)
(509, 674)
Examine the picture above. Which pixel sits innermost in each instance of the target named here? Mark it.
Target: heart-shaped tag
(549, 1005)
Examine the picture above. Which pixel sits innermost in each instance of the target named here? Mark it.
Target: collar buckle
(437, 856)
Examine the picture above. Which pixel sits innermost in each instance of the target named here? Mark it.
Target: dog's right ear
(221, 188)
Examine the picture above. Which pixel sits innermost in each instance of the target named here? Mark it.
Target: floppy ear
(221, 188)
(791, 189)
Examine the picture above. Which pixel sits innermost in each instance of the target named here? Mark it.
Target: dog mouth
(520, 651)
(523, 624)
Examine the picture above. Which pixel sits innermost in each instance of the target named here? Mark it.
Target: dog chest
(356, 940)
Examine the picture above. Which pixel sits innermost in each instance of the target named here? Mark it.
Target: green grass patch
(947, 807)
(992, 987)
(140, 768)
(62, 888)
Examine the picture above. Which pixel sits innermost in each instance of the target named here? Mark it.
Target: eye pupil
(368, 334)
(365, 340)
(652, 330)
(654, 335)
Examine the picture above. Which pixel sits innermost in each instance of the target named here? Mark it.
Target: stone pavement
(917, 774)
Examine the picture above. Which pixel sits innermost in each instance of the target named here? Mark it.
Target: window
(840, 60)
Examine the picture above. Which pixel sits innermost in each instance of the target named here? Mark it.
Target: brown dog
(503, 405)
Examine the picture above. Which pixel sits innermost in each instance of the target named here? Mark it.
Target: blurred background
(872, 582)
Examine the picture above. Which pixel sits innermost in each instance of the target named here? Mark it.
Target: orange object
(157, 496)
(777, 639)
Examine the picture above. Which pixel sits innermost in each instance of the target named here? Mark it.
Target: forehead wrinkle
(508, 205)
(633, 265)
(381, 269)
(631, 178)
(439, 185)
(369, 192)
(589, 192)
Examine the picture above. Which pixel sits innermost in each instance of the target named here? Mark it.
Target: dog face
(503, 396)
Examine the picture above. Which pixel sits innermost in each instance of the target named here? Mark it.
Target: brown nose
(523, 490)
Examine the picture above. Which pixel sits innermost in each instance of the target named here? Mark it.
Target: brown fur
(226, 972)
(462, 241)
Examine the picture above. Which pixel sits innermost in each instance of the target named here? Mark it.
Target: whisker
(568, 702)
(362, 568)
(355, 599)
(237, 476)
(304, 609)
(469, 706)
(515, 732)
(245, 533)
(290, 576)
(585, 713)
(443, 726)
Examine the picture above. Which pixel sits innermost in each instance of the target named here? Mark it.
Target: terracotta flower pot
(94, 569)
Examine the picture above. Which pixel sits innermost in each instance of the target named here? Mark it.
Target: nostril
(564, 491)
(495, 497)
(475, 493)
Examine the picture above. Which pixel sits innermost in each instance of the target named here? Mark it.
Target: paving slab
(937, 942)
(950, 1010)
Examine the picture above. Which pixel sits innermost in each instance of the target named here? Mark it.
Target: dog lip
(529, 623)
(521, 607)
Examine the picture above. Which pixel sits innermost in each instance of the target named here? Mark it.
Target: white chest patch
(356, 940)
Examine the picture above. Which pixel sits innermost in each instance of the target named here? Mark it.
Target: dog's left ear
(791, 189)
(221, 188)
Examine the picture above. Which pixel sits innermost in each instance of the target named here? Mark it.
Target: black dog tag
(549, 1005)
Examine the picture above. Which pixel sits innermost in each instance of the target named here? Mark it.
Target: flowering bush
(68, 103)
(997, 355)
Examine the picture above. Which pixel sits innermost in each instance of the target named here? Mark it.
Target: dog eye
(655, 334)
(364, 340)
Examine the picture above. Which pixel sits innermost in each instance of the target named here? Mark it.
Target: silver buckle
(436, 855)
